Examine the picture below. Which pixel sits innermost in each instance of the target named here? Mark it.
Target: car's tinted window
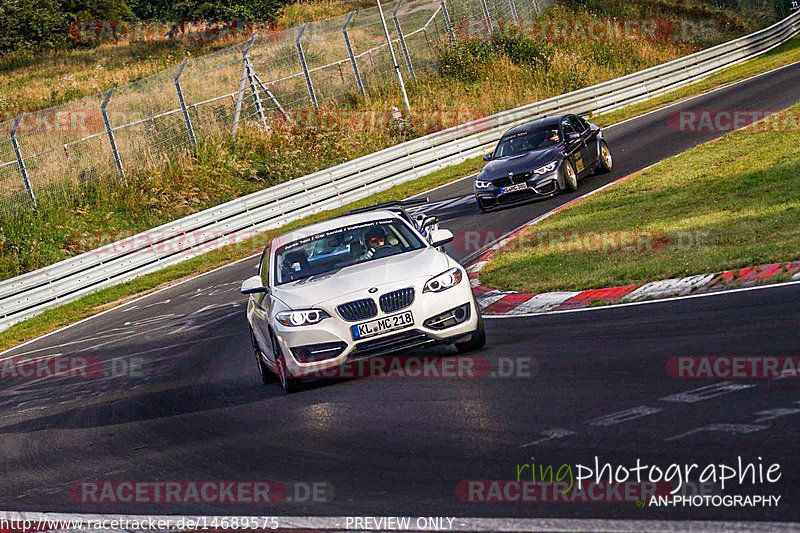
(342, 247)
(567, 126)
(527, 141)
(578, 124)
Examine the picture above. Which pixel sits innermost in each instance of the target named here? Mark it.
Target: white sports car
(357, 286)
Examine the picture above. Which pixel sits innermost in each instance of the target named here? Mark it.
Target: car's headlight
(444, 281)
(302, 317)
(482, 184)
(547, 168)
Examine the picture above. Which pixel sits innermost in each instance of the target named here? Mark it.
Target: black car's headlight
(301, 317)
(549, 167)
(482, 184)
(444, 281)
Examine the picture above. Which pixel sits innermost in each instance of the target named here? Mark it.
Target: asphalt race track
(181, 400)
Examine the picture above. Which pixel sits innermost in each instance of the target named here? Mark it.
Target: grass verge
(730, 203)
(94, 303)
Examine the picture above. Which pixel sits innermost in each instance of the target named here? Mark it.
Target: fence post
(110, 132)
(447, 22)
(513, 5)
(394, 58)
(359, 82)
(487, 16)
(272, 97)
(311, 94)
(242, 82)
(186, 118)
(254, 89)
(402, 38)
(20, 161)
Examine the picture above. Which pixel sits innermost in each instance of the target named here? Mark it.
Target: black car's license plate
(382, 325)
(514, 188)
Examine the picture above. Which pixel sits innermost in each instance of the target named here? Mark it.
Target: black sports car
(541, 158)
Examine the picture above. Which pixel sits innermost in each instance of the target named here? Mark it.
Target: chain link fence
(45, 155)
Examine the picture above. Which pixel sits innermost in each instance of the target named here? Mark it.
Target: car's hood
(520, 163)
(341, 284)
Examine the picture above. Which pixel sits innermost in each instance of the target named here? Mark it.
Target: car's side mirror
(487, 157)
(253, 286)
(573, 136)
(440, 237)
(428, 221)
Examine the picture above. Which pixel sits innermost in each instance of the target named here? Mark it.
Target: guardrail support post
(349, 46)
(110, 132)
(311, 94)
(448, 22)
(186, 118)
(20, 161)
(402, 38)
(394, 59)
(248, 66)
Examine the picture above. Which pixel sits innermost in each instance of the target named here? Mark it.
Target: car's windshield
(527, 141)
(342, 247)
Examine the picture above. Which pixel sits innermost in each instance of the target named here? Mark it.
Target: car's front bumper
(537, 188)
(335, 334)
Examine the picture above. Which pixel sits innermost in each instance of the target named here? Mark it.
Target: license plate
(518, 187)
(382, 325)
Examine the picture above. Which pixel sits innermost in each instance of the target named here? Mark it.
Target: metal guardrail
(29, 294)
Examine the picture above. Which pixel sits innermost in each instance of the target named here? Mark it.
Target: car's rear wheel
(288, 383)
(606, 161)
(266, 375)
(477, 339)
(570, 176)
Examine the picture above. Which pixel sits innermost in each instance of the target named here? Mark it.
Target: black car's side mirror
(487, 157)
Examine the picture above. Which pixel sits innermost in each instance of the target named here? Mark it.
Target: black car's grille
(358, 310)
(400, 341)
(396, 300)
(516, 179)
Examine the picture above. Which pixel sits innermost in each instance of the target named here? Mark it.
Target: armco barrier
(27, 295)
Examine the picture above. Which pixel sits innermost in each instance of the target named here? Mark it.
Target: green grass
(730, 203)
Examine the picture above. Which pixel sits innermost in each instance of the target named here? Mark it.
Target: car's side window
(263, 269)
(567, 126)
(578, 124)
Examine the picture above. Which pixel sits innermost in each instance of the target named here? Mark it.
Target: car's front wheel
(288, 383)
(477, 339)
(606, 161)
(266, 375)
(570, 176)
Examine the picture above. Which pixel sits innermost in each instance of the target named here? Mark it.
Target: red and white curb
(494, 302)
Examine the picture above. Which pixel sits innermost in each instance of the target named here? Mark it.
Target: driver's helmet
(374, 236)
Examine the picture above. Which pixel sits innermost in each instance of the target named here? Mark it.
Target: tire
(266, 374)
(288, 383)
(570, 176)
(606, 161)
(477, 341)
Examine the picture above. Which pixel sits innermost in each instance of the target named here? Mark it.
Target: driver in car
(375, 238)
